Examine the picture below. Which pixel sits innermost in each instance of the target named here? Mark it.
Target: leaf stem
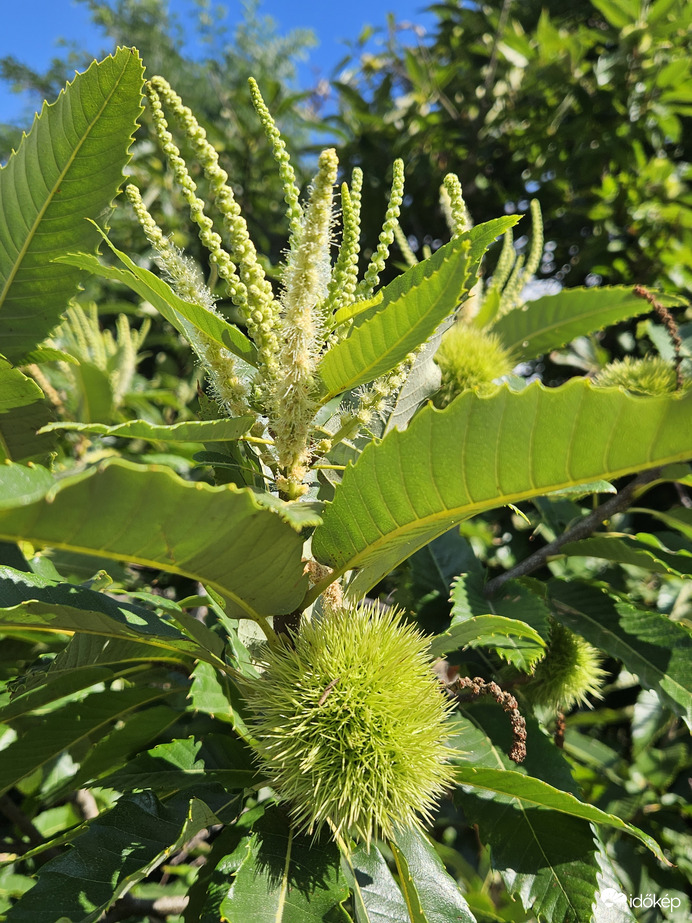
(582, 529)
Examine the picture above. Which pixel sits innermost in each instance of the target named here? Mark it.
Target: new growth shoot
(293, 327)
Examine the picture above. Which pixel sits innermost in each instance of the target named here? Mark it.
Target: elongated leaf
(513, 623)
(425, 295)
(481, 237)
(637, 551)
(533, 793)
(148, 515)
(522, 600)
(129, 840)
(196, 431)
(179, 313)
(117, 747)
(432, 895)
(649, 644)
(73, 724)
(186, 764)
(23, 411)
(50, 185)
(554, 320)
(285, 878)
(545, 858)
(514, 641)
(376, 897)
(421, 383)
(480, 453)
(30, 603)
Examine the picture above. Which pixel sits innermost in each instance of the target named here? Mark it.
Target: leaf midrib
(52, 192)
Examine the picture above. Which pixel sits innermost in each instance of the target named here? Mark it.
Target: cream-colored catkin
(379, 257)
(454, 206)
(286, 171)
(207, 235)
(405, 247)
(254, 297)
(342, 286)
(186, 279)
(306, 281)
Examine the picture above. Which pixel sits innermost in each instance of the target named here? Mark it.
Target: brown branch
(159, 909)
(616, 504)
(18, 818)
(671, 327)
(85, 803)
(559, 735)
(478, 687)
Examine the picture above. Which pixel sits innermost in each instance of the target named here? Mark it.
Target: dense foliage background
(586, 109)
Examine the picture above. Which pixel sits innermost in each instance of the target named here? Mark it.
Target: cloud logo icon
(611, 897)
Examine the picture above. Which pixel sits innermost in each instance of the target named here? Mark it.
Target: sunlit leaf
(482, 452)
(148, 515)
(49, 187)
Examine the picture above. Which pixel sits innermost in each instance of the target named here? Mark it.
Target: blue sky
(31, 30)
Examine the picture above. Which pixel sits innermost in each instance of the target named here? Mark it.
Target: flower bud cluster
(291, 331)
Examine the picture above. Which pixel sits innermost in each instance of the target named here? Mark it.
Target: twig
(18, 818)
(559, 735)
(580, 530)
(477, 687)
(85, 803)
(671, 327)
(160, 908)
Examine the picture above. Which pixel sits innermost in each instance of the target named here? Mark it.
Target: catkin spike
(379, 257)
(306, 281)
(456, 213)
(254, 296)
(286, 171)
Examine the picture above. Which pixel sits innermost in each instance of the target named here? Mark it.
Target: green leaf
(547, 861)
(195, 431)
(519, 599)
(554, 320)
(73, 724)
(93, 393)
(483, 452)
(432, 895)
(376, 897)
(188, 763)
(130, 840)
(23, 411)
(85, 661)
(148, 515)
(514, 641)
(656, 649)
(411, 309)
(544, 857)
(49, 186)
(284, 878)
(179, 313)
(22, 485)
(117, 747)
(421, 382)
(481, 237)
(30, 603)
(213, 693)
(639, 551)
(530, 793)
(514, 623)
(619, 13)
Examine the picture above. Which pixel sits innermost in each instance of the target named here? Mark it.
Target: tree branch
(160, 908)
(20, 820)
(620, 501)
